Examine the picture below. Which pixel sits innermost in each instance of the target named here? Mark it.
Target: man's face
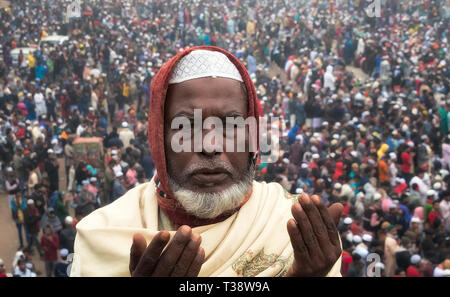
(205, 172)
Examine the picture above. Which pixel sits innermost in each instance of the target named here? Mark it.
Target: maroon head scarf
(159, 88)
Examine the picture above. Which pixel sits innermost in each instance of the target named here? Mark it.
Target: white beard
(212, 205)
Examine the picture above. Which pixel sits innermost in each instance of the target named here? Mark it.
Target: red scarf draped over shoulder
(159, 86)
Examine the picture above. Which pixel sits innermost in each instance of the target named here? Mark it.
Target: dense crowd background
(364, 106)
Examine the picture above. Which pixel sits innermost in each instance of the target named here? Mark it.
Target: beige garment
(126, 135)
(390, 248)
(252, 242)
(33, 180)
(36, 133)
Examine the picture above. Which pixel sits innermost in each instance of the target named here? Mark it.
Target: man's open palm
(182, 257)
(314, 236)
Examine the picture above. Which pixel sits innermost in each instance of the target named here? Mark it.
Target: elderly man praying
(202, 214)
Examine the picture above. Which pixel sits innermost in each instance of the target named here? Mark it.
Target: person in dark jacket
(32, 219)
(61, 267)
(67, 235)
(355, 269)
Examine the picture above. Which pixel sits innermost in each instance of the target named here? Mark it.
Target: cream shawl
(252, 242)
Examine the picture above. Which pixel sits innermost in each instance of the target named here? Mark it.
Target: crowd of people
(363, 101)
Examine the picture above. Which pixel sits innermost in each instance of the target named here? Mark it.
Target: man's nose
(212, 143)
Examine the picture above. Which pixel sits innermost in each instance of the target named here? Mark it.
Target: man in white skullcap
(61, 267)
(414, 269)
(423, 187)
(125, 135)
(205, 199)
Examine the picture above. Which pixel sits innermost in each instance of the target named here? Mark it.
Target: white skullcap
(315, 156)
(286, 161)
(9, 169)
(64, 252)
(124, 124)
(337, 186)
(437, 186)
(431, 193)
(367, 237)
(415, 259)
(304, 165)
(68, 220)
(348, 221)
(393, 156)
(299, 191)
(50, 151)
(357, 239)
(204, 63)
(30, 201)
(377, 196)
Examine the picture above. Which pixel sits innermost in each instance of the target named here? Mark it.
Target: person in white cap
(414, 269)
(12, 182)
(52, 168)
(419, 179)
(125, 135)
(393, 169)
(61, 266)
(118, 186)
(21, 270)
(67, 235)
(93, 186)
(32, 219)
(348, 221)
(357, 239)
(86, 201)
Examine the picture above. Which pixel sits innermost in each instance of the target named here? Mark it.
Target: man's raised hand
(314, 236)
(182, 257)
